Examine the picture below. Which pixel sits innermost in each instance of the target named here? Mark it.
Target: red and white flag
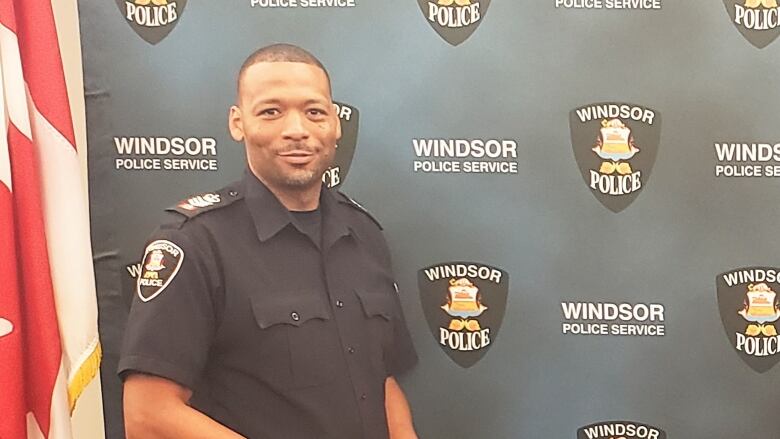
(49, 346)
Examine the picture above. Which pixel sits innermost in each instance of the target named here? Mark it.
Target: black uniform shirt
(278, 336)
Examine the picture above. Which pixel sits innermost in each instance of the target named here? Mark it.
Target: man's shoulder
(355, 206)
(201, 205)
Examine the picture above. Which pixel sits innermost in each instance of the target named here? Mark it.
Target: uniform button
(233, 193)
(340, 304)
(364, 397)
(295, 316)
(351, 350)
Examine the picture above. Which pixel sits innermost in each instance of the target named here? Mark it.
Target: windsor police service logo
(757, 20)
(620, 430)
(464, 303)
(615, 145)
(162, 260)
(454, 20)
(199, 202)
(349, 117)
(152, 20)
(750, 310)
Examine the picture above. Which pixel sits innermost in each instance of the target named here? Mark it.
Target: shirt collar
(270, 216)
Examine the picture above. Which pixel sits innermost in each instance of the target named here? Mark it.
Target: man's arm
(399, 416)
(156, 408)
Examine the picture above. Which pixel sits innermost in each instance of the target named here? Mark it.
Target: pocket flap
(287, 310)
(376, 303)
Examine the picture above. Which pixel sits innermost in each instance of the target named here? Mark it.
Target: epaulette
(198, 204)
(346, 199)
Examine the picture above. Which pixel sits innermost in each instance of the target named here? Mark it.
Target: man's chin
(301, 180)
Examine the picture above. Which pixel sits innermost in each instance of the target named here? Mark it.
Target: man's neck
(304, 200)
(297, 199)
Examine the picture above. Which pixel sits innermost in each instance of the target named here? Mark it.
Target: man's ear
(236, 124)
(338, 121)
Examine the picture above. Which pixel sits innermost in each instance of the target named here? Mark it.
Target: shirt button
(351, 350)
(295, 316)
(340, 304)
(364, 397)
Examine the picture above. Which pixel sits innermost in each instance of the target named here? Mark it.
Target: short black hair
(280, 52)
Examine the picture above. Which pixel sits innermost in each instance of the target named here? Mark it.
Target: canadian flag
(49, 346)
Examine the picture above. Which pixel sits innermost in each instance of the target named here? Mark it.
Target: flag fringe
(84, 376)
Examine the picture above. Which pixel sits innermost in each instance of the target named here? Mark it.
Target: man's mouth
(297, 156)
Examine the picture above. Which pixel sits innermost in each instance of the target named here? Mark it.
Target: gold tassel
(81, 379)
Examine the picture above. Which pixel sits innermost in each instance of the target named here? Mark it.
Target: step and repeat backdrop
(581, 196)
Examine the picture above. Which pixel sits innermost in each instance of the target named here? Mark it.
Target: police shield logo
(349, 117)
(620, 430)
(152, 20)
(159, 266)
(615, 145)
(464, 303)
(750, 311)
(454, 20)
(757, 20)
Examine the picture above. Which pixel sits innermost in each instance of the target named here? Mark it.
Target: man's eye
(269, 112)
(317, 112)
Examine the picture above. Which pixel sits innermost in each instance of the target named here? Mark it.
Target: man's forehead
(267, 76)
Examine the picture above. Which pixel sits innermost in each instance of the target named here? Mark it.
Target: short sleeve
(401, 355)
(172, 319)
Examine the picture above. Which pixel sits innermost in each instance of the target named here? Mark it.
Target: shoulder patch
(161, 262)
(205, 202)
(346, 199)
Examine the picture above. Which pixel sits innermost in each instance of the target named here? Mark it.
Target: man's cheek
(257, 140)
(324, 126)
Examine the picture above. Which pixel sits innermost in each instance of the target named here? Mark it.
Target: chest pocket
(379, 314)
(302, 321)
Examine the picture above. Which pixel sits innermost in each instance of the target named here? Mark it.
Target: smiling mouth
(297, 157)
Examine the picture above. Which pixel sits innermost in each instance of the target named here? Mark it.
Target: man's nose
(295, 126)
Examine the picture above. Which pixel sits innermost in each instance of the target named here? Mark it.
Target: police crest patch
(464, 303)
(615, 145)
(349, 117)
(162, 260)
(454, 20)
(152, 20)
(750, 312)
(620, 430)
(757, 20)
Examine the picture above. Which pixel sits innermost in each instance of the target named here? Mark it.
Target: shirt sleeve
(401, 356)
(172, 319)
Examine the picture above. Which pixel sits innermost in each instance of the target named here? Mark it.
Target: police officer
(268, 309)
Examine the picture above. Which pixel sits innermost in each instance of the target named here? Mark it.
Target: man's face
(288, 123)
